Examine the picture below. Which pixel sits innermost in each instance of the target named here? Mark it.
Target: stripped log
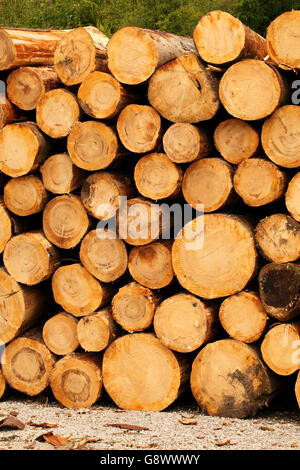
(133, 307)
(77, 291)
(96, 331)
(27, 363)
(243, 317)
(60, 175)
(230, 379)
(25, 195)
(26, 85)
(60, 334)
(184, 142)
(22, 148)
(292, 197)
(135, 53)
(9, 225)
(156, 375)
(76, 380)
(184, 323)
(184, 90)
(9, 113)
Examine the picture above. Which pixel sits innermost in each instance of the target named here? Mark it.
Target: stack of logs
(92, 295)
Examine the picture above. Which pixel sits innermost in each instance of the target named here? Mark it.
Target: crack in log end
(280, 290)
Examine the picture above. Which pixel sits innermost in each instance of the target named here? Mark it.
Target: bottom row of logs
(227, 377)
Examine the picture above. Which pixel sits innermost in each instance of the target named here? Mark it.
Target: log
(96, 331)
(156, 177)
(278, 238)
(21, 307)
(139, 128)
(280, 138)
(60, 334)
(22, 47)
(80, 52)
(230, 379)
(279, 290)
(184, 323)
(280, 348)
(297, 389)
(76, 380)
(133, 307)
(104, 255)
(56, 112)
(101, 193)
(30, 258)
(22, 149)
(292, 197)
(9, 113)
(151, 265)
(243, 317)
(259, 182)
(77, 291)
(93, 145)
(157, 376)
(25, 195)
(9, 225)
(282, 42)
(65, 221)
(28, 363)
(208, 181)
(3, 386)
(184, 90)
(252, 90)
(184, 142)
(26, 85)
(135, 53)
(220, 38)
(101, 96)
(60, 175)
(224, 264)
(236, 140)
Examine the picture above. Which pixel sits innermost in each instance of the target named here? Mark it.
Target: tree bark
(60, 334)
(96, 331)
(60, 175)
(292, 197)
(25, 195)
(184, 142)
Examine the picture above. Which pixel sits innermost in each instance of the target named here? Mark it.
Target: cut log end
(281, 40)
(60, 175)
(60, 334)
(95, 332)
(297, 389)
(25, 195)
(184, 143)
(2, 384)
(292, 197)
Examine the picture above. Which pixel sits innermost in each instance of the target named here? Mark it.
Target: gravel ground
(276, 428)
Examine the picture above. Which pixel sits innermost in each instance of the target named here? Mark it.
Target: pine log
(243, 317)
(25, 195)
(278, 238)
(139, 128)
(101, 193)
(259, 182)
(297, 389)
(60, 175)
(9, 225)
(2, 384)
(30, 258)
(27, 363)
(56, 112)
(22, 47)
(26, 85)
(279, 137)
(252, 90)
(80, 52)
(214, 255)
(279, 287)
(184, 142)
(77, 291)
(184, 323)
(292, 197)
(76, 380)
(101, 96)
(133, 307)
(96, 331)
(65, 221)
(236, 140)
(220, 38)
(93, 146)
(60, 334)
(151, 265)
(21, 307)
(140, 373)
(280, 348)
(9, 113)
(184, 90)
(230, 379)
(208, 181)
(282, 40)
(22, 148)
(156, 177)
(104, 255)
(135, 53)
